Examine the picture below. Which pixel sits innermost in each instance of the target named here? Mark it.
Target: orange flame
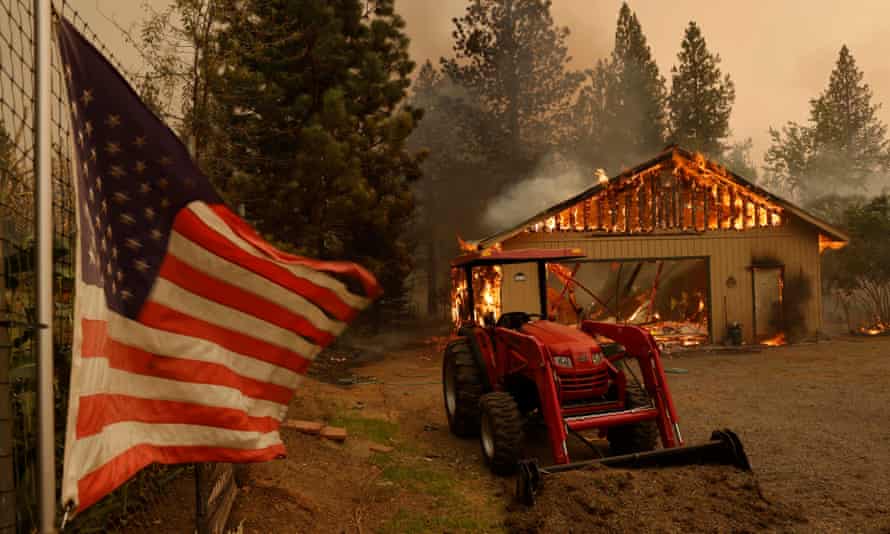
(775, 341)
(826, 243)
(486, 294)
(876, 329)
(464, 246)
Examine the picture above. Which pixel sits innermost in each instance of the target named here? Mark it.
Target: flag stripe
(121, 468)
(180, 299)
(344, 269)
(156, 315)
(162, 343)
(214, 290)
(99, 411)
(211, 216)
(92, 451)
(220, 240)
(226, 271)
(135, 360)
(100, 378)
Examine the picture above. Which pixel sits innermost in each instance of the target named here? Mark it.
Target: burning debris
(876, 329)
(826, 243)
(666, 297)
(775, 341)
(679, 194)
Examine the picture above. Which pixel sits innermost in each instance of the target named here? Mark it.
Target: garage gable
(675, 192)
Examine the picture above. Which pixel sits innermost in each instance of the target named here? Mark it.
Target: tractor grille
(584, 381)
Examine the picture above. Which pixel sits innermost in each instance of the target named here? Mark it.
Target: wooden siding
(730, 253)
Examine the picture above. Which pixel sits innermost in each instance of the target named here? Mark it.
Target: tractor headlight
(562, 361)
(597, 357)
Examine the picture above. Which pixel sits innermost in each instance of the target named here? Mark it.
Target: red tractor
(499, 374)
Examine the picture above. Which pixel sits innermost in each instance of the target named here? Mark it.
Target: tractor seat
(514, 320)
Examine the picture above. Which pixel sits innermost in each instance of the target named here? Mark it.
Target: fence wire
(17, 246)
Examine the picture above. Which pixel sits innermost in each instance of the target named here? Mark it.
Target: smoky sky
(778, 52)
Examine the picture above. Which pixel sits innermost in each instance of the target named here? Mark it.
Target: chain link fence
(18, 402)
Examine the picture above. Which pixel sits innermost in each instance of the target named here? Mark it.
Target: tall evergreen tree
(513, 58)
(844, 145)
(701, 97)
(312, 98)
(620, 114)
(639, 96)
(449, 199)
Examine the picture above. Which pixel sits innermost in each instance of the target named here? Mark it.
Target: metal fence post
(43, 197)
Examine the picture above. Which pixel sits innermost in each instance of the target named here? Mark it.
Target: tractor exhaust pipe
(724, 448)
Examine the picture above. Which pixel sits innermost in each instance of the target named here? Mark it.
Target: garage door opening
(671, 297)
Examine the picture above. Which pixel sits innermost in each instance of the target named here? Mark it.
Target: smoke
(552, 182)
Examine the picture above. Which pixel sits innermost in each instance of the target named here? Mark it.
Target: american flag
(191, 333)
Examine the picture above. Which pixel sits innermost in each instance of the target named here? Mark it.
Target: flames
(826, 243)
(775, 341)
(459, 297)
(680, 195)
(876, 329)
(487, 285)
(486, 294)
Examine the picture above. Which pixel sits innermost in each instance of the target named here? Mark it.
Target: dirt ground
(813, 419)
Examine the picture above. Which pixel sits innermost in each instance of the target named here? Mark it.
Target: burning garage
(678, 244)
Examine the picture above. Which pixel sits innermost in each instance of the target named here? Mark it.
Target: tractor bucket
(724, 448)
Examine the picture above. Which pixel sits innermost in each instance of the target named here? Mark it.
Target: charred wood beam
(656, 209)
(627, 227)
(633, 278)
(654, 290)
(599, 212)
(705, 206)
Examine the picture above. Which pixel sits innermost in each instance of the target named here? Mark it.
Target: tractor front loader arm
(639, 343)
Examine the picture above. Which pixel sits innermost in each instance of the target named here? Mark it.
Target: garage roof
(671, 152)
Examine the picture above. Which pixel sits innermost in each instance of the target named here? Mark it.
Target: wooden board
(217, 493)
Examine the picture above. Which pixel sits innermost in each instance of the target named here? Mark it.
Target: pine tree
(620, 114)
(512, 57)
(312, 98)
(845, 144)
(701, 97)
(639, 96)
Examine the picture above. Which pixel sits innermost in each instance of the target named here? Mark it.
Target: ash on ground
(335, 364)
(684, 499)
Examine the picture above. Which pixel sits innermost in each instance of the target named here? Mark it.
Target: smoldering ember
(463, 266)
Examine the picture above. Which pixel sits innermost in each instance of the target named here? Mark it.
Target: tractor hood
(562, 340)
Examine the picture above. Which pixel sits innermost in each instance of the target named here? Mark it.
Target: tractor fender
(470, 333)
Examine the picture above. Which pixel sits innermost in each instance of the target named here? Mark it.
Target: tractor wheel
(501, 432)
(461, 386)
(636, 437)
